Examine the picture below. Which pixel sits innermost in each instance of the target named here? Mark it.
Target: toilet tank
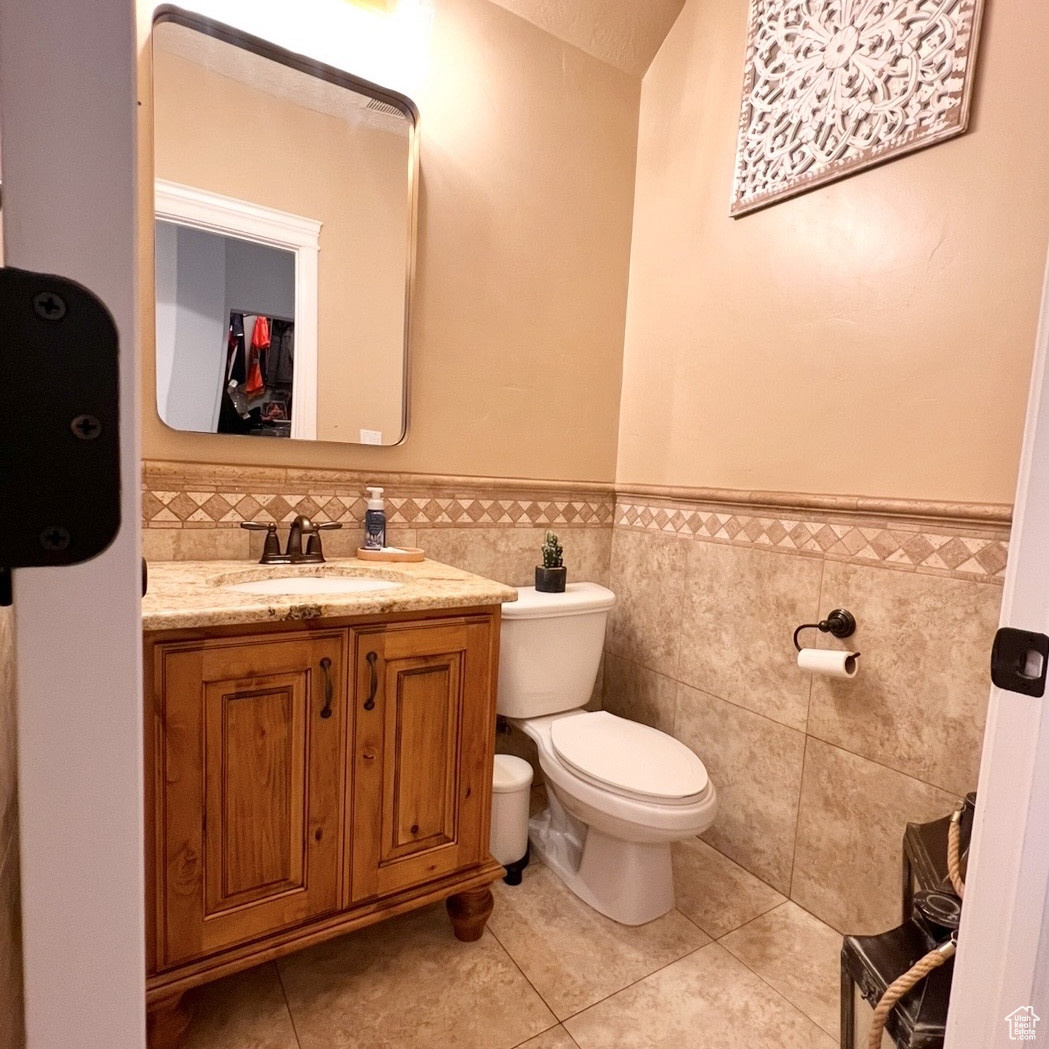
(550, 649)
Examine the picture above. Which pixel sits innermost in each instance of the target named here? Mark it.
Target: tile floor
(735, 964)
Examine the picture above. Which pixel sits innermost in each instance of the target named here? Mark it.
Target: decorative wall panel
(834, 86)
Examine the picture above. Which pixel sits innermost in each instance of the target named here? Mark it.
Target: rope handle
(954, 867)
(902, 984)
(937, 956)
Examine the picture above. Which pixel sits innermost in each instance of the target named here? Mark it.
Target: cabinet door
(249, 797)
(425, 727)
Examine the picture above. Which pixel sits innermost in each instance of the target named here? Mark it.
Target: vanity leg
(166, 1022)
(469, 911)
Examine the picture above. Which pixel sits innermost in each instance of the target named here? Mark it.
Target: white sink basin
(311, 584)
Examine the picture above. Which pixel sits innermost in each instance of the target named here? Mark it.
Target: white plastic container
(511, 783)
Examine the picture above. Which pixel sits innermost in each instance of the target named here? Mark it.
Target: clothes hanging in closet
(254, 384)
(281, 356)
(236, 370)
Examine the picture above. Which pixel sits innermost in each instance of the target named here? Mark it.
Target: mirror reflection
(285, 202)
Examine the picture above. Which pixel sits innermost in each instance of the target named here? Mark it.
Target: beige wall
(873, 336)
(259, 147)
(527, 160)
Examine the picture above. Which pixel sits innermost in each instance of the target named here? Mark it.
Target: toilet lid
(627, 756)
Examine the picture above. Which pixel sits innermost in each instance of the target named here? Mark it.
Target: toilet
(619, 792)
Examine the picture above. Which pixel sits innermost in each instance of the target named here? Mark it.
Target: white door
(1002, 963)
(67, 107)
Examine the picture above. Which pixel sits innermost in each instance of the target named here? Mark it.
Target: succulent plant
(552, 551)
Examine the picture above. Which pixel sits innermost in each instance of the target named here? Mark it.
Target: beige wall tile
(919, 701)
(345, 541)
(755, 765)
(509, 555)
(740, 611)
(197, 544)
(798, 955)
(648, 576)
(708, 999)
(850, 831)
(638, 694)
(715, 893)
(574, 956)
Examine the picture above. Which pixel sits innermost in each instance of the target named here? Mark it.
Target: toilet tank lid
(577, 599)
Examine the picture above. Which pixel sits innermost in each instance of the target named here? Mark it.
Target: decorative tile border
(210, 497)
(978, 551)
(969, 541)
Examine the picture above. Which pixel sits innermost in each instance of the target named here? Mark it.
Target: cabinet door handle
(328, 690)
(369, 703)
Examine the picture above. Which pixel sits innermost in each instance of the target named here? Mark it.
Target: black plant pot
(550, 580)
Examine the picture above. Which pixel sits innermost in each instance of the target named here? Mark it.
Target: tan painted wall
(871, 337)
(527, 157)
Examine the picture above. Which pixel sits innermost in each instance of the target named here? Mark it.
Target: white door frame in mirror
(215, 213)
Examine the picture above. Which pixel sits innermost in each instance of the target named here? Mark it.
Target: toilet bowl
(619, 792)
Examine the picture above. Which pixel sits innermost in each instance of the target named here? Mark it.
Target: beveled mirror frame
(339, 78)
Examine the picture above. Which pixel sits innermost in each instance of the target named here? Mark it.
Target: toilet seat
(628, 759)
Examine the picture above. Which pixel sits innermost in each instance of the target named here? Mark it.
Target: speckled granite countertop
(187, 594)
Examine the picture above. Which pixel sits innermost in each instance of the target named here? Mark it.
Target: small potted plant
(551, 574)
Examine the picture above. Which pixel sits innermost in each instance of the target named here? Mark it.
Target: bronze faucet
(293, 553)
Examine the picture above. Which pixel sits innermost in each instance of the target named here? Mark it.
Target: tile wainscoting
(493, 527)
(817, 776)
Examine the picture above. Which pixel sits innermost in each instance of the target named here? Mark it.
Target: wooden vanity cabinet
(418, 812)
(306, 779)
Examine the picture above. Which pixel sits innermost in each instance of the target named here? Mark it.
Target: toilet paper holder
(840, 623)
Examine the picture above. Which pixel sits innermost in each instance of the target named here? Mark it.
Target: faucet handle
(313, 544)
(271, 554)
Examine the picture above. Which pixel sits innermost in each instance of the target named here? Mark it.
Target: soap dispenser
(374, 521)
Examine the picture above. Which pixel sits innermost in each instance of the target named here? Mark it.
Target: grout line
(956, 795)
(557, 1026)
(797, 818)
(761, 914)
(779, 994)
(686, 574)
(693, 921)
(513, 961)
(640, 979)
(287, 1004)
(750, 921)
(812, 677)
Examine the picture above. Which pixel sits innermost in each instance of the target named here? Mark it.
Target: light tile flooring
(736, 964)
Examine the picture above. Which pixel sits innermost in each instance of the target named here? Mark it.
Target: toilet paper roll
(828, 661)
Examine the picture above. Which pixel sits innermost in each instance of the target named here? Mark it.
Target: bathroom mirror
(285, 205)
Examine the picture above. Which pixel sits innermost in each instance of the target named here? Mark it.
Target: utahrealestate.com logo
(1022, 1024)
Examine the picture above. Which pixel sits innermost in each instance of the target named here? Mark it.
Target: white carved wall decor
(834, 86)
